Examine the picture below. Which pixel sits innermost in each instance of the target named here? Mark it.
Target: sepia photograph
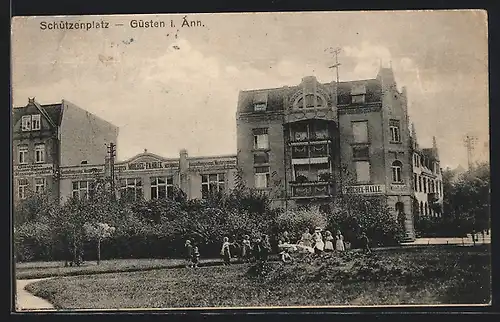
(250, 160)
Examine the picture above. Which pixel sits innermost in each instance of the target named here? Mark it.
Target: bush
(297, 221)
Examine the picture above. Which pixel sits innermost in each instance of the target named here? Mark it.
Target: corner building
(305, 144)
(47, 138)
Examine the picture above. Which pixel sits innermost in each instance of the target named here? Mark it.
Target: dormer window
(35, 122)
(358, 93)
(30, 122)
(26, 123)
(260, 102)
(260, 107)
(311, 101)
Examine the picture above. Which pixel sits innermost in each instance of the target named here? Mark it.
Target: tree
(98, 232)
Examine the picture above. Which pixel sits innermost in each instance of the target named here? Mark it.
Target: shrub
(296, 221)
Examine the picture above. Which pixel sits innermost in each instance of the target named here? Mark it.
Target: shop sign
(370, 189)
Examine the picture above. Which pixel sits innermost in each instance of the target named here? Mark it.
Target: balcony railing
(312, 190)
(313, 151)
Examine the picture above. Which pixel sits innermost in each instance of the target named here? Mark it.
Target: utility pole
(111, 158)
(470, 142)
(335, 53)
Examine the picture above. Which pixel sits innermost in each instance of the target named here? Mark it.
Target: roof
(54, 111)
(277, 98)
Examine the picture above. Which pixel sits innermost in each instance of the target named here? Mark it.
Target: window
(26, 123)
(425, 185)
(360, 131)
(415, 182)
(396, 171)
(421, 208)
(162, 187)
(261, 177)
(419, 184)
(23, 154)
(362, 171)
(261, 158)
(360, 152)
(40, 153)
(260, 107)
(212, 183)
(22, 191)
(260, 102)
(39, 185)
(35, 122)
(260, 139)
(81, 189)
(394, 129)
(358, 99)
(131, 188)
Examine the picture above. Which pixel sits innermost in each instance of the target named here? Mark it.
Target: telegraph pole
(470, 142)
(335, 52)
(111, 157)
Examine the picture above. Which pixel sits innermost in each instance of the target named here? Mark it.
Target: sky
(176, 88)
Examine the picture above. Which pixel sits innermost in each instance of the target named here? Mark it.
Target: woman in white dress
(339, 242)
(328, 241)
(319, 245)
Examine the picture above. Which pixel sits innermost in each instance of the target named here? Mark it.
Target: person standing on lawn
(246, 248)
(339, 242)
(366, 243)
(189, 253)
(285, 239)
(226, 251)
(306, 239)
(196, 256)
(257, 249)
(319, 245)
(328, 241)
(266, 248)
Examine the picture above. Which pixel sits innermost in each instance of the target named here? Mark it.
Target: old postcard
(251, 160)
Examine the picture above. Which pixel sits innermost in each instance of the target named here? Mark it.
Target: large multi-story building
(306, 144)
(150, 176)
(49, 137)
(427, 179)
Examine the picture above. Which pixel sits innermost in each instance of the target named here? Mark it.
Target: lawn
(33, 270)
(435, 275)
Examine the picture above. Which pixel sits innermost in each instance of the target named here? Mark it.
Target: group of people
(257, 249)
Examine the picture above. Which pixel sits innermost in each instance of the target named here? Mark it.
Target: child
(339, 243)
(247, 248)
(189, 253)
(266, 248)
(225, 251)
(196, 256)
(306, 239)
(257, 249)
(366, 243)
(328, 241)
(285, 256)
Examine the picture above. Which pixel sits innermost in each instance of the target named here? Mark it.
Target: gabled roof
(51, 112)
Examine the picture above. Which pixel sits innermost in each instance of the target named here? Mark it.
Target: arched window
(396, 171)
(419, 184)
(310, 101)
(425, 185)
(421, 208)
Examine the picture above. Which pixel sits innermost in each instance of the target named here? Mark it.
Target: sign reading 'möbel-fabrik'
(368, 189)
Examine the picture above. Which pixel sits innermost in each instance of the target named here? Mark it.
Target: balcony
(317, 189)
(310, 154)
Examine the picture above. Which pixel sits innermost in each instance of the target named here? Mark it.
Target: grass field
(445, 275)
(33, 270)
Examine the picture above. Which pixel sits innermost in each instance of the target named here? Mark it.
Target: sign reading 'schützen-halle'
(366, 189)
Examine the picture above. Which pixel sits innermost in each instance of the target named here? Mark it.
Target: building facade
(308, 143)
(427, 179)
(49, 137)
(149, 176)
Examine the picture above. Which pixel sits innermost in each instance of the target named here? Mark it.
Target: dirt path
(25, 301)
